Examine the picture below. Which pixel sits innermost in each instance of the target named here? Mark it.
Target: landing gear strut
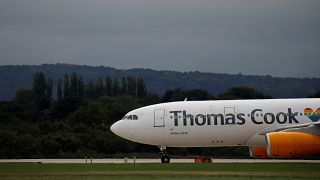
(165, 156)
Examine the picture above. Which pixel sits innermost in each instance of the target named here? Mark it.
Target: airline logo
(257, 116)
(313, 115)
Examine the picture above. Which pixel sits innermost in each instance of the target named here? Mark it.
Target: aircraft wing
(312, 128)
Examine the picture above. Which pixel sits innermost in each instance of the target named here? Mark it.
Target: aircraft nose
(122, 129)
(115, 128)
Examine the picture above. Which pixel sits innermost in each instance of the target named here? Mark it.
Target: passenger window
(135, 117)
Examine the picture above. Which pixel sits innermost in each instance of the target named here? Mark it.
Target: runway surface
(131, 160)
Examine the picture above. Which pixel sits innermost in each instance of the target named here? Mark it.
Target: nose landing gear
(165, 156)
(165, 159)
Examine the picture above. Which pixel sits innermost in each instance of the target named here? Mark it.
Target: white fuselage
(212, 123)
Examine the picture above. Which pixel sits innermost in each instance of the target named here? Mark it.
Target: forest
(72, 118)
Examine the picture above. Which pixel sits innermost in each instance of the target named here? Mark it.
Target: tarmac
(132, 160)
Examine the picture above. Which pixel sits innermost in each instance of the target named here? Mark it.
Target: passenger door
(159, 118)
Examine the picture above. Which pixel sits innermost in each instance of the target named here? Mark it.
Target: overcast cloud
(276, 37)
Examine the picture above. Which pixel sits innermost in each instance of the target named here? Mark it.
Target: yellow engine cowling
(259, 152)
(292, 144)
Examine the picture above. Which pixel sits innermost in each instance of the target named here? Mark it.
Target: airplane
(271, 128)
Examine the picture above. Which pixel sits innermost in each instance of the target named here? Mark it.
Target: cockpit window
(135, 117)
(130, 117)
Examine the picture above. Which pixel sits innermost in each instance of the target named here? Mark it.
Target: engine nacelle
(259, 152)
(292, 144)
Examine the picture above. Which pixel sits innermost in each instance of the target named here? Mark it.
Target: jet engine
(258, 152)
(292, 144)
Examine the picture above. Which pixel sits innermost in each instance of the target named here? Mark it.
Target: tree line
(73, 85)
(75, 122)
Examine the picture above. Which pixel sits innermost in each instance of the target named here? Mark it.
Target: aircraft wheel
(165, 159)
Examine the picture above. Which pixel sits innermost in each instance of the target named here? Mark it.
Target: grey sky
(276, 37)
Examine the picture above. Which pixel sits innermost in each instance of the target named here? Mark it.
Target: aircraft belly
(204, 136)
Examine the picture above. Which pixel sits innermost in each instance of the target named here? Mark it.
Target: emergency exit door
(230, 110)
(159, 118)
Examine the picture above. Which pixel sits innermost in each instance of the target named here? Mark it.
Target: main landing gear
(165, 156)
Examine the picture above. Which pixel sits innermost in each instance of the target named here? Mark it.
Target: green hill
(13, 77)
